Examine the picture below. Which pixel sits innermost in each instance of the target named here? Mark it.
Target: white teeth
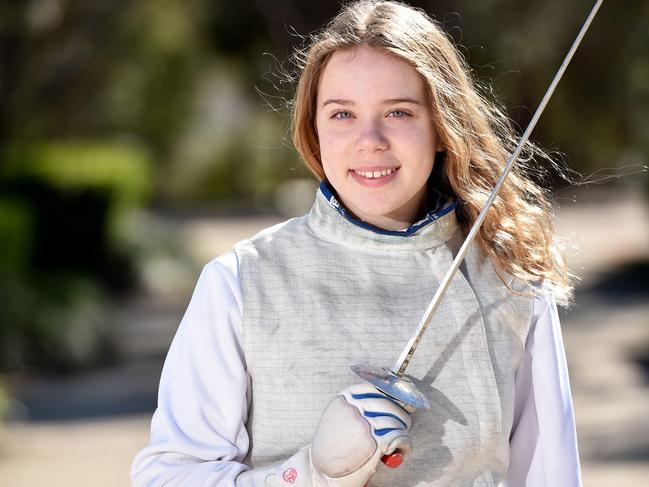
(375, 174)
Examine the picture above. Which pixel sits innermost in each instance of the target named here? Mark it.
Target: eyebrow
(339, 101)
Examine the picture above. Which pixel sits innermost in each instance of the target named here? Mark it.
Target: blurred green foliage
(109, 106)
(122, 172)
(52, 320)
(71, 194)
(60, 205)
(5, 404)
(16, 235)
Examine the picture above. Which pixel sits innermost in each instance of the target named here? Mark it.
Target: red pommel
(393, 460)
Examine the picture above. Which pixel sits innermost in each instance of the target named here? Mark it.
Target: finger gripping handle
(393, 460)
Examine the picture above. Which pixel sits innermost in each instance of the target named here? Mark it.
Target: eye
(398, 114)
(342, 115)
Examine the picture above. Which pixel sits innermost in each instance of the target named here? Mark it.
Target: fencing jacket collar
(331, 221)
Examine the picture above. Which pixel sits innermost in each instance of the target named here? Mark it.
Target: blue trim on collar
(436, 213)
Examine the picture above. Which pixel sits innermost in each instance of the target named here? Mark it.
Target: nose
(371, 137)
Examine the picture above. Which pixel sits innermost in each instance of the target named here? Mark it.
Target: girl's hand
(358, 427)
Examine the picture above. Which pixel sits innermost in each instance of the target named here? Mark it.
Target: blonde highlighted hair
(518, 233)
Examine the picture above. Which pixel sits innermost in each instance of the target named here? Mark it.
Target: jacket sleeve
(198, 435)
(543, 443)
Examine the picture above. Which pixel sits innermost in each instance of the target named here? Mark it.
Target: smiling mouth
(375, 174)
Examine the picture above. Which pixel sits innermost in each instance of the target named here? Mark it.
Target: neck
(397, 220)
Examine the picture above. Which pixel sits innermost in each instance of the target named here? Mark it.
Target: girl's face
(377, 139)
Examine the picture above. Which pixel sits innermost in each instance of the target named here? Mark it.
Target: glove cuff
(294, 472)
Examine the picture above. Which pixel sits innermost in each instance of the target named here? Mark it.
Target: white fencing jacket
(199, 435)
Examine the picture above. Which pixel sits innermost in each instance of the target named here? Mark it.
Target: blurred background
(141, 138)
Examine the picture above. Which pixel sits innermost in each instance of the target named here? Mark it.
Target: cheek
(327, 154)
(420, 144)
(331, 168)
(331, 146)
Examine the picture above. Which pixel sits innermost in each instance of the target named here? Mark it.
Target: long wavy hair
(518, 233)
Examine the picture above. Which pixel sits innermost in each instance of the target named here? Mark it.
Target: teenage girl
(257, 388)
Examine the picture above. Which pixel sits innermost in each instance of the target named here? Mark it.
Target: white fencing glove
(358, 427)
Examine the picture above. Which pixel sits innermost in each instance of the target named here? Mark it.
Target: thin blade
(405, 357)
